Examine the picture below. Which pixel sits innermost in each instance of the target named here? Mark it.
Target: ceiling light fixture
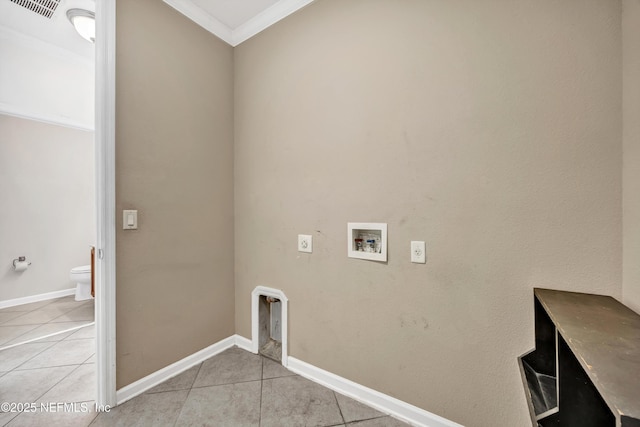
(84, 21)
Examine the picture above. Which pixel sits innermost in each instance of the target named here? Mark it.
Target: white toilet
(82, 276)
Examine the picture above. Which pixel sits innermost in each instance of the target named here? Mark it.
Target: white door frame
(105, 267)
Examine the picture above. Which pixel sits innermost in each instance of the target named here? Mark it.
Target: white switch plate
(129, 220)
(305, 243)
(418, 252)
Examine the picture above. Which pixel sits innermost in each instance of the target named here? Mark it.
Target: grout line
(219, 385)
(46, 367)
(51, 344)
(335, 397)
(181, 407)
(61, 379)
(196, 376)
(261, 388)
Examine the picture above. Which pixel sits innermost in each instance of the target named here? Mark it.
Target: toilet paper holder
(20, 259)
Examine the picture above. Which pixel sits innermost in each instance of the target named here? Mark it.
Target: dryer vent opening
(270, 327)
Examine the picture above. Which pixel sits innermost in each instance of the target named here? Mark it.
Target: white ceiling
(234, 21)
(57, 30)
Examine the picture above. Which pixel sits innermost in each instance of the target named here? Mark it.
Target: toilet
(82, 276)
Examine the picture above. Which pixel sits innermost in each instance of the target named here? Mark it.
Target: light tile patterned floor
(234, 388)
(27, 322)
(237, 388)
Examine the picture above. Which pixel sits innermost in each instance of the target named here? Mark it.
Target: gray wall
(631, 138)
(174, 136)
(491, 130)
(47, 205)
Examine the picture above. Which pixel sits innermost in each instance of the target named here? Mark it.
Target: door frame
(105, 120)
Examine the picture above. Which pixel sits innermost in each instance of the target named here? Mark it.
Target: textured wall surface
(631, 144)
(174, 164)
(47, 205)
(491, 130)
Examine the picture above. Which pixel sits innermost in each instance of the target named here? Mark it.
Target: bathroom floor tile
(48, 332)
(35, 317)
(76, 416)
(59, 307)
(86, 312)
(224, 405)
(230, 366)
(9, 333)
(83, 333)
(78, 386)
(5, 417)
(74, 352)
(155, 409)
(15, 356)
(271, 369)
(28, 386)
(353, 410)
(26, 307)
(183, 381)
(10, 315)
(295, 401)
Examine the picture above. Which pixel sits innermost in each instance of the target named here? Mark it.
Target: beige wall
(631, 144)
(491, 130)
(47, 199)
(174, 164)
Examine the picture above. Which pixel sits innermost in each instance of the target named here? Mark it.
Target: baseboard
(243, 343)
(160, 376)
(380, 401)
(36, 298)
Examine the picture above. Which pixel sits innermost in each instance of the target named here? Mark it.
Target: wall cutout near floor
(269, 314)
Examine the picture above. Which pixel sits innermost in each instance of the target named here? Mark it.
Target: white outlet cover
(305, 243)
(418, 252)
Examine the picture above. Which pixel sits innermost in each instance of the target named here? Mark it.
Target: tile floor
(28, 322)
(233, 388)
(46, 354)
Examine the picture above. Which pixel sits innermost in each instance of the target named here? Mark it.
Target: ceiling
(234, 21)
(57, 30)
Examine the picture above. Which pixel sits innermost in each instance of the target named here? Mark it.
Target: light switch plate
(305, 243)
(418, 252)
(129, 219)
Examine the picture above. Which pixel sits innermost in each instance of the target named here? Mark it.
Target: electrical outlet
(418, 252)
(305, 243)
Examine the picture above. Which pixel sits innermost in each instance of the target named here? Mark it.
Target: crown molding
(267, 18)
(258, 23)
(202, 18)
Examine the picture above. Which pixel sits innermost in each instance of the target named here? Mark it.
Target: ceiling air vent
(45, 8)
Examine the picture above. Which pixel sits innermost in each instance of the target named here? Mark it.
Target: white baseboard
(36, 298)
(243, 343)
(152, 380)
(382, 402)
